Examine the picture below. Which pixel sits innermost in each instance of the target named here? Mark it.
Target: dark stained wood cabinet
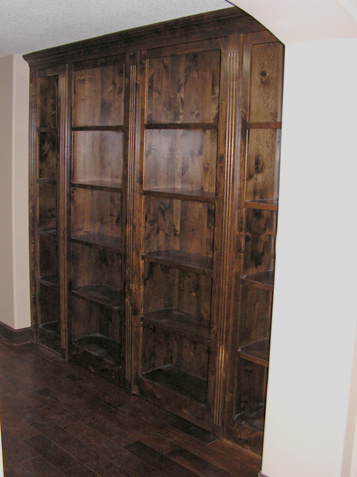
(154, 195)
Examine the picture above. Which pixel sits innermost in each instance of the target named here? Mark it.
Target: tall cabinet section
(249, 342)
(47, 142)
(154, 195)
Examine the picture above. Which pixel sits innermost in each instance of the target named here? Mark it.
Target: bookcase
(153, 207)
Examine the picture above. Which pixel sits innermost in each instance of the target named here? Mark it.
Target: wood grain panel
(98, 155)
(180, 158)
(98, 96)
(96, 212)
(47, 102)
(266, 82)
(183, 88)
(47, 155)
(262, 168)
(47, 206)
(178, 225)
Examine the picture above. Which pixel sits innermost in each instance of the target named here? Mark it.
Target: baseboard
(16, 337)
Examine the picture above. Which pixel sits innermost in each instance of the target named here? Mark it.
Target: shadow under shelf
(182, 260)
(179, 323)
(179, 381)
(257, 352)
(253, 418)
(101, 295)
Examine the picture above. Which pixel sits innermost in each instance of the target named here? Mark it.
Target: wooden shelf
(264, 204)
(182, 260)
(117, 127)
(179, 323)
(99, 241)
(181, 126)
(100, 294)
(179, 382)
(262, 280)
(257, 352)
(52, 327)
(101, 347)
(253, 418)
(182, 194)
(99, 184)
(50, 231)
(49, 280)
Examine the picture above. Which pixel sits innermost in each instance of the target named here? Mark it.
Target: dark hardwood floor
(58, 419)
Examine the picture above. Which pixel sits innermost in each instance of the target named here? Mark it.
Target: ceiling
(30, 25)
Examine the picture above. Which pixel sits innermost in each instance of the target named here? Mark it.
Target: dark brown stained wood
(47, 205)
(187, 292)
(263, 280)
(262, 164)
(49, 280)
(48, 155)
(172, 84)
(47, 103)
(96, 212)
(153, 204)
(181, 194)
(95, 266)
(178, 225)
(183, 159)
(99, 96)
(179, 381)
(99, 241)
(100, 294)
(265, 204)
(98, 156)
(266, 81)
(99, 184)
(179, 323)
(257, 352)
(181, 260)
(259, 240)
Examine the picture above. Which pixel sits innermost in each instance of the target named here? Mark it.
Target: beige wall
(14, 271)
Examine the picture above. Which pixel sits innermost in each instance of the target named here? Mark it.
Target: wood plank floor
(58, 420)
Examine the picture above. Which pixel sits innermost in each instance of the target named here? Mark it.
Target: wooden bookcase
(153, 205)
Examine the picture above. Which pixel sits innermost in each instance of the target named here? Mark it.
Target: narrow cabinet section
(45, 219)
(181, 94)
(97, 217)
(262, 72)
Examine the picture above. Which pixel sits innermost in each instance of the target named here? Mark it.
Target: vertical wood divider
(227, 233)
(130, 220)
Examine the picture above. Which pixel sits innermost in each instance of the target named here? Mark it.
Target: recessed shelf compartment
(179, 323)
(253, 418)
(180, 382)
(100, 294)
(262, 280)
(96, 213)
(257, 352)
(98, 157)
(181, 194)
(99, 241)
(265, 204)
(181, 260)
(101, 347)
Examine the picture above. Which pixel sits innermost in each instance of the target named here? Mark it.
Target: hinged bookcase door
(249, 339)
(47, 206)
(97, 216)
(180, 168)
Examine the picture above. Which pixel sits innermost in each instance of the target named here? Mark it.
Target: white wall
(314, 315)
(14, 257)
